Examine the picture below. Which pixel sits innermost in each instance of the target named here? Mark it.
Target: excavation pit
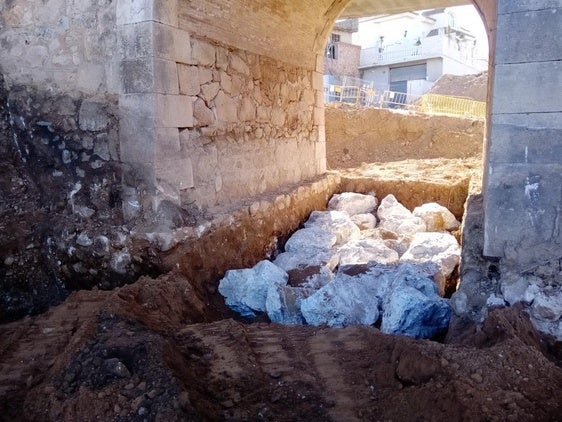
(241, 237)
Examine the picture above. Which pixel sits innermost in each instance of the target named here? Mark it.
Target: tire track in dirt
(29, 348)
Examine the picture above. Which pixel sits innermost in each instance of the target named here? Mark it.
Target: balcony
(439, 46)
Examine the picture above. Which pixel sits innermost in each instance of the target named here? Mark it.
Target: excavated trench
(169, 349)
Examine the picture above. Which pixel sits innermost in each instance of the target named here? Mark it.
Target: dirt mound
(160, 350)
(470, 86)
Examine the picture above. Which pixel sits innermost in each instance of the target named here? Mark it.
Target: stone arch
(265, 131)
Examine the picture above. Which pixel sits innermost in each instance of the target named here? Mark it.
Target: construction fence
(426, 103)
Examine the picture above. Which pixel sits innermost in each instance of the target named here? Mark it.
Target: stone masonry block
(320, 63)
(320, 157)
(136, 142)
(522, 212)
(189, 79)
(173, 111)
(147, 144)
(134, 11)
(317, 81)
(172, 43)
(530, 120)
(319, 118)
(166, 144)
(518, 144)
(511, 6)
(137, 108)
(176, 172)
(537, 40)
(147, 75)
(147, 39)
(527, 88)
(203, 53)
(137, 40)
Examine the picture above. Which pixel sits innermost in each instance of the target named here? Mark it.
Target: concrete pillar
(152, 108)
(523, 187)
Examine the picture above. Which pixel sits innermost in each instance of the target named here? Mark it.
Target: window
(332, 48)
(331, 51)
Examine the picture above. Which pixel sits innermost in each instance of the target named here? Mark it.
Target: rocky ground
(169, 349)
(162, 350)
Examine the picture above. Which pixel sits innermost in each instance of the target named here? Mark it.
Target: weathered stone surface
(397, 218)
(226, 108)
(307, 261)
(439, 248)
(336, 222)
(202, 52)
(189, 79)
(391, 209)
(547, 306)
(345, 301)
(353, 203)
(202, 114)
(516, 288)
(246, 290)
(310, 238)
(410, 312)
(364, 221)
(92, 116)
(365, 251)
(436, 217)
(283, 304)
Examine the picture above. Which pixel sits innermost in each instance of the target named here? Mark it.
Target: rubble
(246, 290)
(333, 273)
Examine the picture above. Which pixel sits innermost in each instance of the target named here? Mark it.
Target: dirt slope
(470, 86)
(160, 350)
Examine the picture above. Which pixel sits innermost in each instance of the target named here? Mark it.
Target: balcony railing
(431, 47)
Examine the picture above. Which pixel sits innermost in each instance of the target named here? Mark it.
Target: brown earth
(357, 135)
(468, 86)
(161, 350)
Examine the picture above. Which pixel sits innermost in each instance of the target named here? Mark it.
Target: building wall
(435, 69)
(346, 62)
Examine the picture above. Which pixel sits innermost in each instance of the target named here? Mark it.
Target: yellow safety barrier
(455, 106)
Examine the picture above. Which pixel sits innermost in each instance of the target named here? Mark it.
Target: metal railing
(427, 103)
(456, 106)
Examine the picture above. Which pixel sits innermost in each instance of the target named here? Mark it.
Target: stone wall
(523, 180)
(66, 46)
(254, 126)
(366, 135)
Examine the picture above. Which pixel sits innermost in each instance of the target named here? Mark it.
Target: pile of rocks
(359, 262)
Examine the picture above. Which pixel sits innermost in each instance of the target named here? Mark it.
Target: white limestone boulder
(436, 217)
(547, 306)
(364, 221)
(364, 251)
(391, 209)
(439, 248)
(245, 290)
(337, 223)
(408, 311)
(353, 203)
(311, 238)
(396, 218)
(345, 301)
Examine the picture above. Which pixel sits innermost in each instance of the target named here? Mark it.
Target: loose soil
(161, 350)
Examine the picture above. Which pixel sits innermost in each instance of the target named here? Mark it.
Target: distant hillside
(471, 86)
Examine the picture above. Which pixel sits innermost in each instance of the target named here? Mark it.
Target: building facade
(408, 52)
